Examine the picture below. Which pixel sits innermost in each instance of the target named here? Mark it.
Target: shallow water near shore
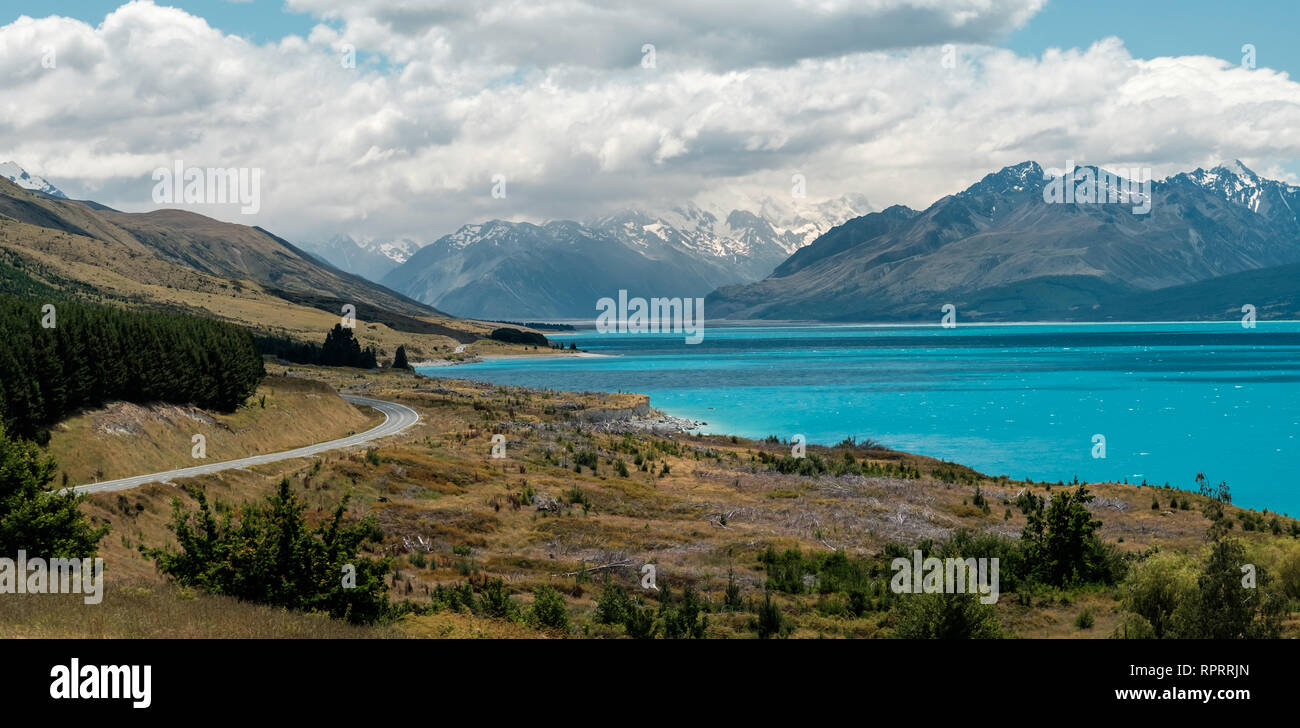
(1170, 399)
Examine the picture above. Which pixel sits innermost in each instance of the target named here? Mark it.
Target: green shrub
(944, 616)
(549, 610)
(1225, 608)
(785, 570)
(1085, 619)
(613, 605)
(496, 601)
(771, 622)
(1061, 541)
(34, 519)
(270, 556)
(640, 621)
(731, 597)
(686, 619)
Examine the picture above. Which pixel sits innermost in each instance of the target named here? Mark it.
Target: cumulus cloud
(407, 142)
(613, 33)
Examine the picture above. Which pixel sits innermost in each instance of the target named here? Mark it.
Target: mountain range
(556, 270)
(1213, 241)
(182, 261)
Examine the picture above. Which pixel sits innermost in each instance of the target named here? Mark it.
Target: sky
(569, 109)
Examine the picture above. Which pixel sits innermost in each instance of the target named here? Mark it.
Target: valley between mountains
(549, 536)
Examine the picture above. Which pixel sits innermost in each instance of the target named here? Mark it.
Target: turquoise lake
(1171, 400)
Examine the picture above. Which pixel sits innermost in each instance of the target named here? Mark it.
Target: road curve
(397, 417)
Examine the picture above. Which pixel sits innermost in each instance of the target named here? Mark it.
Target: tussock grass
(124, 439)
(137, 610)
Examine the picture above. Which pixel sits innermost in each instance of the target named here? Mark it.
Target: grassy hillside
(179, 261)
(704, 511)
(148, 610)
(125, 439)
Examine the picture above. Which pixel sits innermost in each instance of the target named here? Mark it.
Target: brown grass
(150, 611)
(124, 439)
(436, 484)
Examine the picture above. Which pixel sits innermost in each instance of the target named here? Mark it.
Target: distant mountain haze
(371, 261)
(558, 270)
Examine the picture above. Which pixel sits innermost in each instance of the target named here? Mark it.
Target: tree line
(340, 349)
(62, 356)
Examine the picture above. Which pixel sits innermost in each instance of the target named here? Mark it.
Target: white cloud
(409, 145)
(611, 33)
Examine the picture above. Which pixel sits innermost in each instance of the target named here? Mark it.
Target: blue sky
(261, 20)
(1171, 28)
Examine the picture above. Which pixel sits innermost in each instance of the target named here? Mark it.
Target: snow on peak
(19, 176)
(1237, 183)
(396, 250)
(1241, 170)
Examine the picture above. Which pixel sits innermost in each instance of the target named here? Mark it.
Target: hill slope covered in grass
(745, 540)
(182, 262)
(124, 439)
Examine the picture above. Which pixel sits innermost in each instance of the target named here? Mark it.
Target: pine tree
(95, 354)
(270, 555)
(41, 522)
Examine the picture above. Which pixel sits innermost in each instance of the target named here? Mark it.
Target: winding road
(397, 417)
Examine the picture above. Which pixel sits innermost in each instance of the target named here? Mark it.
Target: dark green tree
(613, 605)
(770, 621)
(684, 619)
(33, 518)
(269, 555)
(1061, 542)
(549, 610)
(93, 354)
(1227, 608)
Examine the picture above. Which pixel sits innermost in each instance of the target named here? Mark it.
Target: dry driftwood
(613, 565)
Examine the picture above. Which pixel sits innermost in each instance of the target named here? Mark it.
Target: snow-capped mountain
(750, 240)
(559, 269)
(1237, 183)
(19, 176)
(396, 250)
(371, 260)
(1196, 245)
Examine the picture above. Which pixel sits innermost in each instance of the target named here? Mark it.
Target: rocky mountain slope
(559, 269)
(999, 250)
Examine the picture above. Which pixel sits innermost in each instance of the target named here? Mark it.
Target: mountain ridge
(998, 250)
(557, 269)
(181, 261)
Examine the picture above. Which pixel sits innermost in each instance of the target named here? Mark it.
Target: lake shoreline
(479, 358)
(1115, 403)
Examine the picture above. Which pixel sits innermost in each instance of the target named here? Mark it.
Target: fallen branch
(614, 565)
(720, 519)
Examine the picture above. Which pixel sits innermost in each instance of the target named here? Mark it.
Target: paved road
(397, 417)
